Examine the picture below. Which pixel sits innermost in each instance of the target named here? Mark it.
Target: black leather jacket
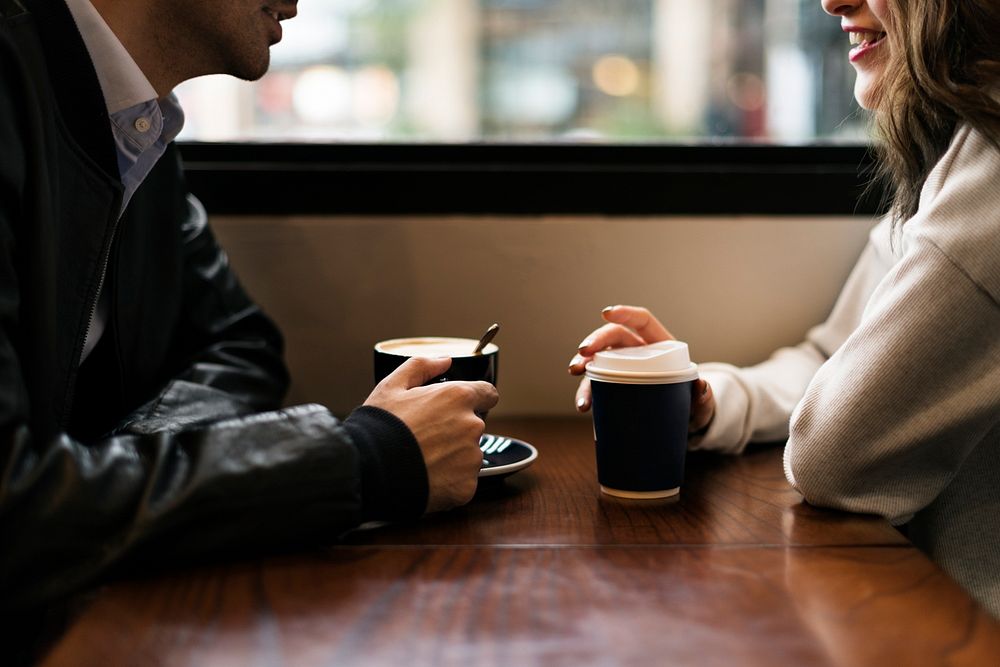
(159, 446)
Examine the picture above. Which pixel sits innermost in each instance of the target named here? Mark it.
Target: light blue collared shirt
(142, 133)
(142, 124)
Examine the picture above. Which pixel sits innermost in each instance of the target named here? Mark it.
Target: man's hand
(443, 419)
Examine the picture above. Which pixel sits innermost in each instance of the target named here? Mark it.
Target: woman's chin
(865, 90)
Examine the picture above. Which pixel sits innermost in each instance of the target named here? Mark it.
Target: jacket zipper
(78, 352)
(97, 296)
(105, 261)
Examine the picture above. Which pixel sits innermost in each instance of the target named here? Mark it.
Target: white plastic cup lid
(665, 362)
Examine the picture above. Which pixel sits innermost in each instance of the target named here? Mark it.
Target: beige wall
(734, 288)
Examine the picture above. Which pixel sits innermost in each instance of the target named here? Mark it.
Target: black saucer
(503, 455)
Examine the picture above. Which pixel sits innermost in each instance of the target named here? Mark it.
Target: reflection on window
(542, 70)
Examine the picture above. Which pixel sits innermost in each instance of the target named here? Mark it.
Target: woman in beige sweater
(892, 406)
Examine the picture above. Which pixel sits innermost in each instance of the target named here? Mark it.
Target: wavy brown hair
(943, 65)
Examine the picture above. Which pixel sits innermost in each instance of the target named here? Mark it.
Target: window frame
(532, 179)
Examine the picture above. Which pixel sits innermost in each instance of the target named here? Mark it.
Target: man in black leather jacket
(164, 440)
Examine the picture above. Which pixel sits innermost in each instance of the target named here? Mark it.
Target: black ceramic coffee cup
(641, 398)
(465, 365)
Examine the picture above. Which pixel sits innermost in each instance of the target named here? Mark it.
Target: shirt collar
(122, 82)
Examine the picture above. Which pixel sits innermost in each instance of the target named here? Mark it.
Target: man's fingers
(610, 335)
(486, 397)
(417, 371)
(583, 395)
(639, 320)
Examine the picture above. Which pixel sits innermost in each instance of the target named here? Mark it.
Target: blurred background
(614, 71)
(532, 72)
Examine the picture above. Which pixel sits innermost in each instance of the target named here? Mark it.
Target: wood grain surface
(725, 500)
(541, 570)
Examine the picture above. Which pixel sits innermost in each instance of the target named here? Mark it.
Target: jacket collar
(74, 80)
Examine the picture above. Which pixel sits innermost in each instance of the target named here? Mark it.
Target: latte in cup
(465, 365)
(432, 347)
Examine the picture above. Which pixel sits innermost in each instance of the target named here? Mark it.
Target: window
(576, 71)
(538, 106)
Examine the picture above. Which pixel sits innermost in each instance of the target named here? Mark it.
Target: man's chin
(248, 70)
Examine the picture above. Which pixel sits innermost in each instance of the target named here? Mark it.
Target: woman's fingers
(578, 364)
(583, 395)
(610, 335)
(628, 326)
(639, 320)
(702, 406)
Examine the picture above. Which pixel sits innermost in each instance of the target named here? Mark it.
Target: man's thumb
(418, 371)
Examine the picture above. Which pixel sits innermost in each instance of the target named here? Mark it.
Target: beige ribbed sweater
(894, 401)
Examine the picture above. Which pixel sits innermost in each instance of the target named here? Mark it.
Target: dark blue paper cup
(641, 407)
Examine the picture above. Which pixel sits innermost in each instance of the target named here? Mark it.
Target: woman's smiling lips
(864, 39)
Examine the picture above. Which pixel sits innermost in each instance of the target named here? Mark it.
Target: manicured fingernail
(581, 404)
(585, 343)
(607, 310)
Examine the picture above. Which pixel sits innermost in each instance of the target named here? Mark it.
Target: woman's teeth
(862, 37)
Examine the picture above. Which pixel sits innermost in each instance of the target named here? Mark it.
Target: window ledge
(523, 179)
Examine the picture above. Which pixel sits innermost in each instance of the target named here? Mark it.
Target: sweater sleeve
(753, 404)
(888, 422)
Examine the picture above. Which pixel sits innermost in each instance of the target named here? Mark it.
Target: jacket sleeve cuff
(394, 484)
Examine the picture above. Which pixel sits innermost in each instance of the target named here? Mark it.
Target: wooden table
(542, 569)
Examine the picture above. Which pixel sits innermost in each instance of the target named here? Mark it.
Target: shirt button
(142, 124)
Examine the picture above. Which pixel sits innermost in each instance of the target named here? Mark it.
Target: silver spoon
(487, 337)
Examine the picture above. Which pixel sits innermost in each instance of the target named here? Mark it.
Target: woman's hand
(629, 326)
